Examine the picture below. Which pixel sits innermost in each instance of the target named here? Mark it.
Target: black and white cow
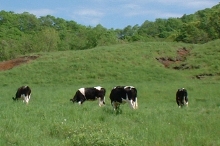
(91, 93)
(182, 97)
(122, 94)
(24, 93)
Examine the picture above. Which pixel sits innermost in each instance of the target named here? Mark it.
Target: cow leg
(83, 99)
(186, 100)
(132, 103)
(115, 105)
(178, 102)
(101, 101)
(26, 99)
(23, 97)
(136, 104)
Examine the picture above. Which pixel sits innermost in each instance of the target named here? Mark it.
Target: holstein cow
(181, 97)
(91, 93)
(122, 94)
(24, 93)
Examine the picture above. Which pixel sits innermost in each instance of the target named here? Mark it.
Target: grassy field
(51, 119)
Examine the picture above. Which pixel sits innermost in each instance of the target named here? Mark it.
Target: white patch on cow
(82, 90)
(128, 87)
(79, 103)
(187, 103)
(98, 88)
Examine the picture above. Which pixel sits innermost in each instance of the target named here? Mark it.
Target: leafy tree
(49, 40)
(27, 22)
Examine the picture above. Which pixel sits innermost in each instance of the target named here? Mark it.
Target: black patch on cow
(181, 97)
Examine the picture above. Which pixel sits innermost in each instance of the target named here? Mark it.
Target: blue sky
(108, 13)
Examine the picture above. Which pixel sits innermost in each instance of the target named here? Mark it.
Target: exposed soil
(179, 64)
(182, 53)
(200, 76)
(6, 65)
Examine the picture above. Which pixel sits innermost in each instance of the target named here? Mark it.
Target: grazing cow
(181, 97)
(24, 93)
(92, 93)
(123, 94)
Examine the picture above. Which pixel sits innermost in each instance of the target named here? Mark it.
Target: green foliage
(25, 33)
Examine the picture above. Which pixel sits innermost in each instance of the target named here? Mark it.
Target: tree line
(25, 33)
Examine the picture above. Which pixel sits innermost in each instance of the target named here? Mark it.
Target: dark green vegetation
(25, 33)
(51, 119)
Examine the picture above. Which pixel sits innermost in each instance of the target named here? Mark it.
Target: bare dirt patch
(179, 63)
(182, 53)
(6, 65)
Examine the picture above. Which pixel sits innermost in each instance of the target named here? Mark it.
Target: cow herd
(118, 95)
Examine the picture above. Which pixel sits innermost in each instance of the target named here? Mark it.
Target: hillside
(156, 69)
(126, 63)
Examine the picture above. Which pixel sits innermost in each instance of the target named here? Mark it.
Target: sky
(116, 14)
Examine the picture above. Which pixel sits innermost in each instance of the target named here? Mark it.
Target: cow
(122, 94)
(24, 93)
(91, 93)
(182, 97)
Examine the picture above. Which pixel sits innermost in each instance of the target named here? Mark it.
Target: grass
(51, 119)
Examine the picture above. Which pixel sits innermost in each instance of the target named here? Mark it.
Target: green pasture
(51, 119)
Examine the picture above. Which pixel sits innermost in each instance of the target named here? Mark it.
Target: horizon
(109, 14)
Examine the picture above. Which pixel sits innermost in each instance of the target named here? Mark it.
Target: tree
(48, 39)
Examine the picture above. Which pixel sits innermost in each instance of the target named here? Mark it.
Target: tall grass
(51, 119)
